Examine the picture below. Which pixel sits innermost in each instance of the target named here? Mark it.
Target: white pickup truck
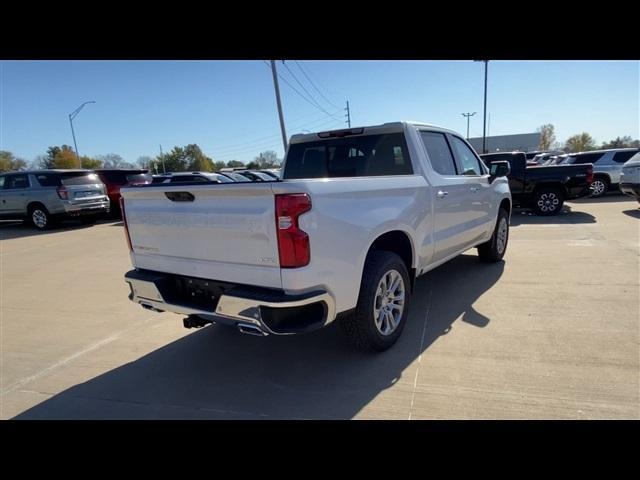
(356, 217)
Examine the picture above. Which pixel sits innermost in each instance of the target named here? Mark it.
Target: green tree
(174, 161)
(196, 160)
(253, 165)
(547, 136)
(54, 153)
(65, 159)
(9, 162)
(581, 142)
(219, 165)
(621, 142)
(235, 164)
(90, 163)
(267, 159)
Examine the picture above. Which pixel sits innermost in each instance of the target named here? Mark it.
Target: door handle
(441, 194)
(474, 189)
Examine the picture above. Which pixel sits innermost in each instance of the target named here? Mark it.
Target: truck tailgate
(227, 232)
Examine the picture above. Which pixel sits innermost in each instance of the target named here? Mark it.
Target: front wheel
(495, 248)
(548, 201)
(383, 303)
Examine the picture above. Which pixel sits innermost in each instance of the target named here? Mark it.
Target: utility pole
(348, 115)
(72, 115)
(468, 115)
(277, 88)
(164, 170)
(484, 125)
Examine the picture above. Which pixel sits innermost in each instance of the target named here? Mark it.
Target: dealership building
(523, 142)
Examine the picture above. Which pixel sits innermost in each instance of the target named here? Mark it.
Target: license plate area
(86, 194)
(193, 292)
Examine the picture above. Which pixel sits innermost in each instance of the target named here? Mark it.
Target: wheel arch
(400, 243)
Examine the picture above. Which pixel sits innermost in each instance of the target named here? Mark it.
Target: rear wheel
(548, 201)
(383, 303)
(39, 217)
(599, 187)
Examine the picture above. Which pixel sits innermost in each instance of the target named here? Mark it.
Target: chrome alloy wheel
(548, 202)
(503, 231)
(389, 302)
(597, 187)
(39, 218)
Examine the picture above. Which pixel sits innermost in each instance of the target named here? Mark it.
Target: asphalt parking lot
(553, 332)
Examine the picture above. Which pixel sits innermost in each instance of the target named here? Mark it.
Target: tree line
(189, 158)
(581, 142)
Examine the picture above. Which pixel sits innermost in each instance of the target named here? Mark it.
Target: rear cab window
(439, 153)
(78, 178)
(352, 156)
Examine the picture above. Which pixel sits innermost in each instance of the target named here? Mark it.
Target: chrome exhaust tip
(249, 329)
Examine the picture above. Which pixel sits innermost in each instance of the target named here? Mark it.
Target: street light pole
(484, 123)
(73, 115)
(468, 115)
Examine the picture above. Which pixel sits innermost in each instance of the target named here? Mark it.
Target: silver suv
(43, 196)
(607, 167)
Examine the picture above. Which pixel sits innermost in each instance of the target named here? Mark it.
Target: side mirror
(499, 169)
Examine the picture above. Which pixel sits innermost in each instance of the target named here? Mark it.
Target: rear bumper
(579, 191)
(271, 311)
(87, 208)
(632, 189)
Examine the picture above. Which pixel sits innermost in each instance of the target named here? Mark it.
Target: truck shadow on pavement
(218, 373)
(632, 213)
(566, 216)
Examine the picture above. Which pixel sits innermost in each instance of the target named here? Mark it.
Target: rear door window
(585, 158)
(48, 179)
(14, 182)
(439, 153)
(352, 156)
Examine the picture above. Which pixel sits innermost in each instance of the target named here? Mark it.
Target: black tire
(599, 187)
(548, 201)
(360, 326)
(39, 217)
(88, 219)
(493, 250)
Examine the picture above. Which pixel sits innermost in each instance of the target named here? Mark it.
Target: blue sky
(229, 109)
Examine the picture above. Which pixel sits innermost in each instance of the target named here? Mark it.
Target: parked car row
(607, 165)
(543, 189)
(44, 197)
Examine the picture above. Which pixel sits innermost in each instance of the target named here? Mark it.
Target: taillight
(63, 193)
(590, 174)
(293, 243)
(124, 222)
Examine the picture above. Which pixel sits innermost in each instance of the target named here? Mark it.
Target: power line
(301, 85)
(261, 146)
(232, 147)
(241, 151)
(314, 86)
(299, 94)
